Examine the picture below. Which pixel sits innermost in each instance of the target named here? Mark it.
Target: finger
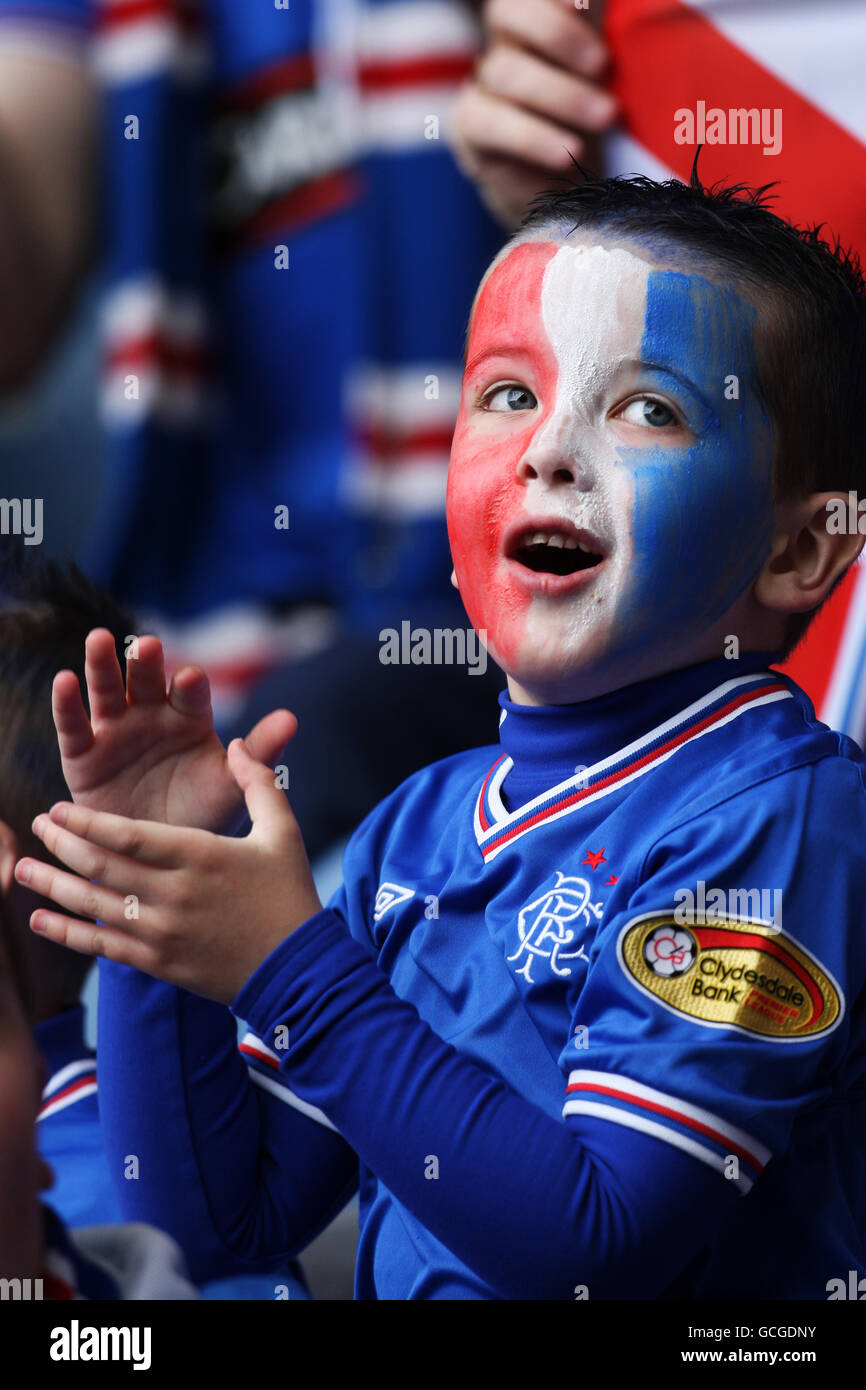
(491, 126)
(508, 187)
(74, 733)
(90, 939)
(144, 841)
(551, 28)
(189, 693)
(266, 803)
(541, 87)
(267, 739)
(76, 894)
(145, 671)
(105, 692)
(92, 862)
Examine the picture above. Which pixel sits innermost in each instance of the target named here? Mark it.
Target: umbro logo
(388, 896)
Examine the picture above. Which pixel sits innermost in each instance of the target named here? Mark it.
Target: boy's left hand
(192, 908)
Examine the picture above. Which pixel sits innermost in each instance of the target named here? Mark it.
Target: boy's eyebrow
(670, 369)
(494, 350)
(665, 368)
(479, 357)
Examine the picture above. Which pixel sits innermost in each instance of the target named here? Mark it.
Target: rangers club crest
(550, 925)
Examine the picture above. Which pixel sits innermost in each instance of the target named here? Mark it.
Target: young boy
(587, 1017)
(46, 611)
(39, 1257)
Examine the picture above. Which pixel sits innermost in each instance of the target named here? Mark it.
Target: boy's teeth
(558, 540)
(554, 538)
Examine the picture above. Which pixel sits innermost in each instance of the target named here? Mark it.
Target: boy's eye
(510, 398)
(648, 411)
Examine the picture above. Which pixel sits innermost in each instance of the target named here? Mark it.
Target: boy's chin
(549, 673)
(559, 678)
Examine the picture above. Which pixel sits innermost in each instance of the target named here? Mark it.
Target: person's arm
(48, 115)
(204, 1141)
(535, 1205)
(671, 1102)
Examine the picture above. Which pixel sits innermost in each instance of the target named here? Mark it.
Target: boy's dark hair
(811, 298)
(13, 968)
(47, 609)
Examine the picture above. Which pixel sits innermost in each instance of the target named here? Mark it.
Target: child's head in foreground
(46, 612)
(664, 385)
(23, 1174)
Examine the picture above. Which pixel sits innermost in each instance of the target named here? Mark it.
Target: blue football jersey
(586, 1020)
(665, 947)
(70, 1140)
(67, 1125)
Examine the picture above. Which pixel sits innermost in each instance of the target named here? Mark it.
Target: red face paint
(485, 494)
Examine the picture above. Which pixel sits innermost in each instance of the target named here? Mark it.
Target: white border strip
(288, 1097)
(54, 1107)
(66, 1074)
(561, 789)
(693, 1112)
(670, 1136)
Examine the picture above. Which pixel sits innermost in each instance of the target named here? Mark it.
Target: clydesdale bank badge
(731, 973)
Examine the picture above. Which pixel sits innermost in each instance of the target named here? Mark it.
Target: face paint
(672, 499)
(702, 515)
(484, 493)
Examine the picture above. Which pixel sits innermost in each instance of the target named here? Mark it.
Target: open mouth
(561, 550)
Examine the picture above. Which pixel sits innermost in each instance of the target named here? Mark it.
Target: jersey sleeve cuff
(308, 960)
(701, 1133)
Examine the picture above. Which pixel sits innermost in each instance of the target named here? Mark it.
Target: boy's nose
(554, 456)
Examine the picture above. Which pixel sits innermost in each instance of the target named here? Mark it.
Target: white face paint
(593, 414)
(593, 306)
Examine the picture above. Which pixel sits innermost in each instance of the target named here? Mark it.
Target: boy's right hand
(149, 753)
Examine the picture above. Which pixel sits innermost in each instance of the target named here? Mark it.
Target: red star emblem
(611, 879)
(594, 858)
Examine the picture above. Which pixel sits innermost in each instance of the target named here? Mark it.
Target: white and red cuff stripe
(688, 1127)
(258, 1054)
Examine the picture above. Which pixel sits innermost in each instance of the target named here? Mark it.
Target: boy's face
(609, 496)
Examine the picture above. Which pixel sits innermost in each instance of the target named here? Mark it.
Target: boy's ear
(10, 853)
(816, 539)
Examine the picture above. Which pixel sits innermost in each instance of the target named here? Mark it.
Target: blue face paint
(703, 515)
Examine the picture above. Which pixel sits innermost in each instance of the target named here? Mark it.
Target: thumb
(267, 739)
(266, 803)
